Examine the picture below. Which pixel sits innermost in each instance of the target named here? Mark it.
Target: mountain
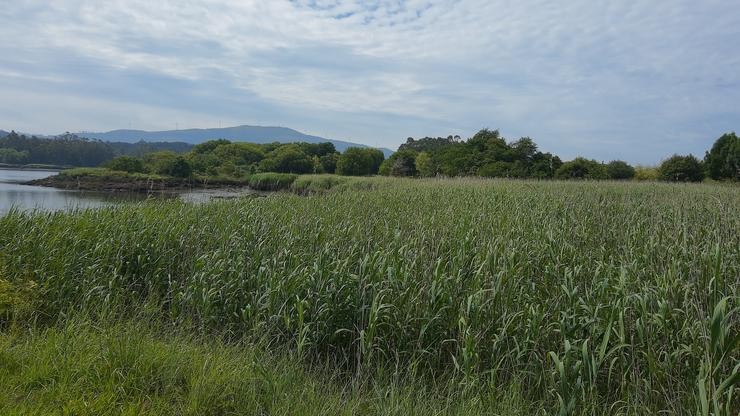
(253, 134)
(3, 133)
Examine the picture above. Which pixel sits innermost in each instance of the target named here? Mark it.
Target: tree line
(487, 154)
(223, 158)
(72, 150)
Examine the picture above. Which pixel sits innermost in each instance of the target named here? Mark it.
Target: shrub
(617, 169)
(582, 168)
(180, 168)
(646, 173)
(126, 164)
(681, 169)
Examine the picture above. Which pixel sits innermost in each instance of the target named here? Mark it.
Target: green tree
(209, 146)
(359, 161)
(582, 168)
(425, 165)
(180, 168)
(329, 162)
(239, 153)
(13, 156)
(160, 162)
(617, 169)
(723, 160)
(681, 169)
(125, 164)
(288, 158)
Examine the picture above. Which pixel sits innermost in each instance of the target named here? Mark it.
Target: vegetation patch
(271, 181)
(574, 295)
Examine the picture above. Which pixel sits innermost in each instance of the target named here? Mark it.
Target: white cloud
(574, 75)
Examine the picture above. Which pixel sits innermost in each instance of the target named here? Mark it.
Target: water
(25, 197)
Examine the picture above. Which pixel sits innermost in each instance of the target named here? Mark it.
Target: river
(25, 197)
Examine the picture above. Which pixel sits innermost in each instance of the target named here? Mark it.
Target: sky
(631, 80)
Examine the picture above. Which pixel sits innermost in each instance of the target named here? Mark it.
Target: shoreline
(108, 184)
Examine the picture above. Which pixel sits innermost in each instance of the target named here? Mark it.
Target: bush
(646, 173)
(617, 169)
(681, 169)
(180, 168)
(582, 168)
(126, 164)
(270, 181)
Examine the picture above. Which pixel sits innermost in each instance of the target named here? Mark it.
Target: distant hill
(253, 134)
(3, 133)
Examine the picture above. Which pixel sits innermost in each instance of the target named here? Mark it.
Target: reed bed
(621, 297)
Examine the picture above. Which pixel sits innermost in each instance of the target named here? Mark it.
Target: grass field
(411, 296)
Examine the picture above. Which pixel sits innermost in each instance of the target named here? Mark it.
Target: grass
(270, 181)
(80, 368)
(108, 174)
(575, 298)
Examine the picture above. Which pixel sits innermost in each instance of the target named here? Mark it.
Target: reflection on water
(25, 197)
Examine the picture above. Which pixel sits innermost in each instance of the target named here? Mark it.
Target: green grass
(582, 298)
(84, 369)
(270, 181)
(105, 173)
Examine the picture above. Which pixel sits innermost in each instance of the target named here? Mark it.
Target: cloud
(633, 80)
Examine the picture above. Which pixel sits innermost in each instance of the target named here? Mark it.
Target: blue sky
(632, 80)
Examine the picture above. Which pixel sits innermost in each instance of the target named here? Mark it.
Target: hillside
(253, 134)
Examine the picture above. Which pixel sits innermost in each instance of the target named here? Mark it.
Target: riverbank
(106, 180)
(116, 184)
(34, 166)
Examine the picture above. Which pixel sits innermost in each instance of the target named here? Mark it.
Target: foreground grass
(580, 297)
(132, 369)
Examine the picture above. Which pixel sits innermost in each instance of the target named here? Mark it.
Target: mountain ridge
(246, 133)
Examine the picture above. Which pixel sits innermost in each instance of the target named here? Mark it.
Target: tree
(180, 168)
(425, 165)
(239, 153)
(358, 161)
(328, 162)
(12, 156)
(617, 169)
(681, 169)
(496, 170)
(401, 163)
(209, 146)
(160, 162)
(582, 168)
(723, 160)
(125, 164)
(287, 159)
